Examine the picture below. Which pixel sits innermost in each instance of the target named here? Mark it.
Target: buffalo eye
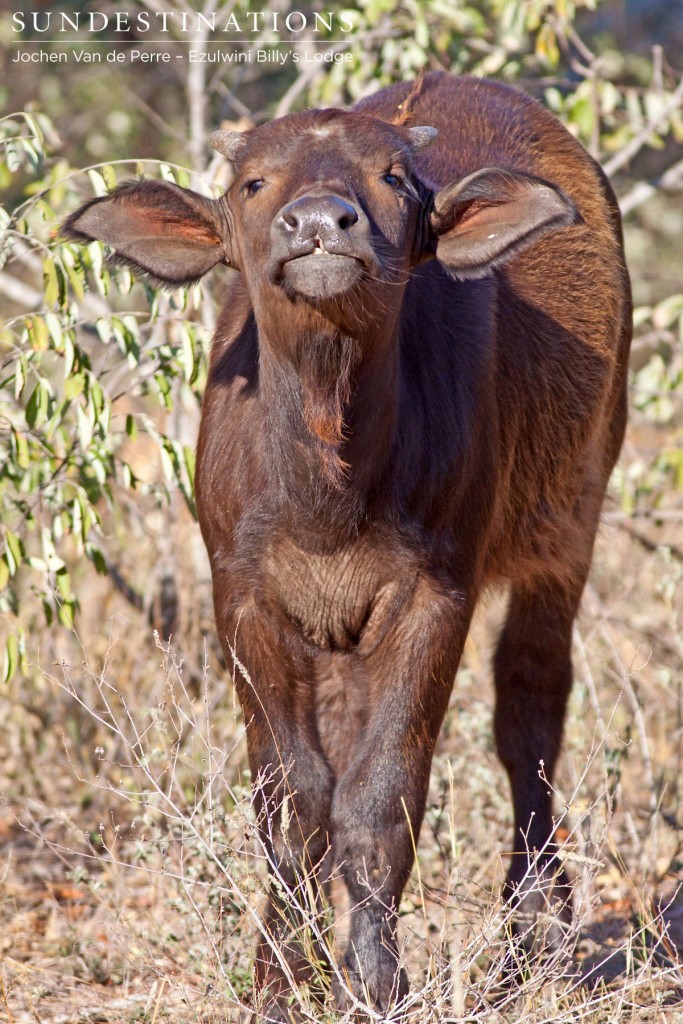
(392, 179)
(252, 187)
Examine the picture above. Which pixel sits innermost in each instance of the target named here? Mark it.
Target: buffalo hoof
(540, 923)
(379, 986)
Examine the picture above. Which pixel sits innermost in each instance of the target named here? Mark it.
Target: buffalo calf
(417, 390)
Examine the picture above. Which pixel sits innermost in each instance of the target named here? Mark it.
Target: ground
(130, 879)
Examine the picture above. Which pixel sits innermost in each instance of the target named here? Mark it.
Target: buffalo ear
(156, 227)
(486, 218)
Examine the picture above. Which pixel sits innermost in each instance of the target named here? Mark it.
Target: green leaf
(67, 612)
(54, 562)
(14, 551)
(189, 457)
(75, 274)
(37, 406)
(51, 287)
(97, 559)
(55, 329)
(109, 175)
(9, 601)
(84, 427)
(13, 156)
(546, 45)
(63, 582)
(21, 450)
(98, 183)
(104, 329)
(11, 657)
(74, 386)
(69, 354)
(38, 334)
(188, 356)
(20, 376)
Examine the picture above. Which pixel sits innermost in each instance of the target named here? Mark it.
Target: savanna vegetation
(130, 875)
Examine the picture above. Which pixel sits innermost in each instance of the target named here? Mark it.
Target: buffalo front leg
(292, 788)
(379, 801)
(533, 677)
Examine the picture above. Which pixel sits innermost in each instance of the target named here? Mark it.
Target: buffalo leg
(533, 677)
(292, 785)
(379, 800)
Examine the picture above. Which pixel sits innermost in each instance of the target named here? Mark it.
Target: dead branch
(620, 159)
(670, 181)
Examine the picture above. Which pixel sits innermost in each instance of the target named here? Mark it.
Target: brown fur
(429, 405)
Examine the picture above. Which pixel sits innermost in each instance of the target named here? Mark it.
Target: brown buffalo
(417, 390)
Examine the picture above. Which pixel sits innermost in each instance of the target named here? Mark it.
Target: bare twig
(19, 292)
(647, 543)
(670, 181)
(152, 115)
(309, 72)
(663, 514)
(642, 137)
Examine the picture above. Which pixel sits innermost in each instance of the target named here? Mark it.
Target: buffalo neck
(330, 397)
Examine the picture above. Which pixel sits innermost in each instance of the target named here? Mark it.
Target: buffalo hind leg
(533, 678)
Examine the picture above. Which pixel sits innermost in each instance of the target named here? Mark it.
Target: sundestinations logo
(189, 23)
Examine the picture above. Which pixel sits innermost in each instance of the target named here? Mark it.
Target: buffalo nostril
(289, 217)
(348, 218)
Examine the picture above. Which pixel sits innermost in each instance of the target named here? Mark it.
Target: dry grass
(131, 880)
